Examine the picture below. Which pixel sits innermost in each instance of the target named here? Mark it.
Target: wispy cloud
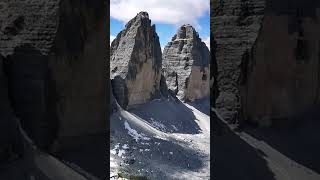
(176, 12)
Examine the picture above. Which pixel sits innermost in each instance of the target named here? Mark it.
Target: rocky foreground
(163, 139)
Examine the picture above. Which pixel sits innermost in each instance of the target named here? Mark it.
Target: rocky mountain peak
(142, 18)
(186, 64)
(186, 31)
(143, 14)
(136, 61)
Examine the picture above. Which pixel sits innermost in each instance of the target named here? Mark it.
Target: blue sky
(167, 15)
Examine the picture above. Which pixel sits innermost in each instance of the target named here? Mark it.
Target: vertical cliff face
(10, 139)
(268, 58)
(186, 65)
(113, 101)
(280, 73)
(214, 89)
(135, 62)
(236, 25)
(54, 62)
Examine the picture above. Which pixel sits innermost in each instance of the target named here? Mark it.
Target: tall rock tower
(236, 25)
(186, 65)
(135, 62)
(53, 57)
(268, 55)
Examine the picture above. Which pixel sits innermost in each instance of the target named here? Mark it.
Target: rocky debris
(268, 59)
(186, 65)
(54, 62)
(161, 139)
(135, 62)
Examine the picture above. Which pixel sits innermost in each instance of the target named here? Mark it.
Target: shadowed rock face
(214, 89)
(136, 58)
(10, 142)
(235, 27)
(280, 73)
(186, 65)
(268, 59)
(120, 91)
(306, 8)
(54, 62)
(113, 101)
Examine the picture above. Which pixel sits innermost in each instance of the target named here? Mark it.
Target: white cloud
(112, 38)
(207, 41)
(176, 12)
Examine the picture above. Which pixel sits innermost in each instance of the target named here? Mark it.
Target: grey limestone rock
(54, 57)
(235, 25)
(136, 59)
(268, 59)
(186, 65)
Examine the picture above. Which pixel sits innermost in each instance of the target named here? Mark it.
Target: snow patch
(113, 151)
(121, 152)
(174, 127)
(133, 133)
(158, 125)
(125, 146)
(113, 164)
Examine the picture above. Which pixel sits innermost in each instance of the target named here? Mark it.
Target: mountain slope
(145, 143)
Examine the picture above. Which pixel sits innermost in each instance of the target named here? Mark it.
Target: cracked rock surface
(135, 62)
(186, 65)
